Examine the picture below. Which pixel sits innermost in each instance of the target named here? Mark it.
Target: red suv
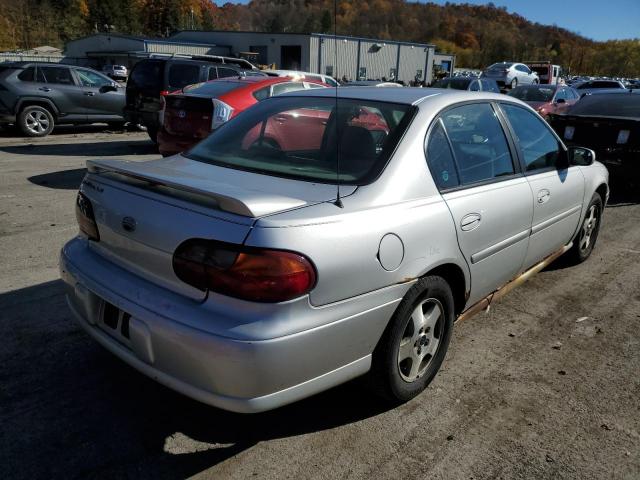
(190, 114)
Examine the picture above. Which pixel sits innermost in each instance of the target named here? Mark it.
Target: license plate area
(115, 322)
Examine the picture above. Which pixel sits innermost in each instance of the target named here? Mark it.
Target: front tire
(585, 241)
(35, 121)
(514, 83)
(415, 342)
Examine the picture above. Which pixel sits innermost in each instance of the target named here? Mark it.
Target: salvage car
(37, 96)
(546, 99)
(190, 114)
(609, 124)
(248, 276)
(510, 74)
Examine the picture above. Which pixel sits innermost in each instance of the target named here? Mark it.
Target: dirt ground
(546, 385)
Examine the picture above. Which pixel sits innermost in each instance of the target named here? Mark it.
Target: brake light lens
(221, 113)
(163, 106)
(86, 219)
(248, 273)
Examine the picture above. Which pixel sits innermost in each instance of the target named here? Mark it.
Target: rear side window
(212, 89)
(480, 148)
(147, 75)
(440, 160)
(538, 145)
(57, 75)
(92, 79)
(226, 72)
(182, 74)
(27, 74)
(261, 94)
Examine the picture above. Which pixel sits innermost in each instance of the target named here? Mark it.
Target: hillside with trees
(478, 35)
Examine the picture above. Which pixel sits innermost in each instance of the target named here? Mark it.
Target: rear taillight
(221, 113)
(86, 219)
(249, 273)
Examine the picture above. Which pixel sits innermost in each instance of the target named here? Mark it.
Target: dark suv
(152, 77)
(38, 96)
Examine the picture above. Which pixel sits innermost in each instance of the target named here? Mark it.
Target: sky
(595, 19)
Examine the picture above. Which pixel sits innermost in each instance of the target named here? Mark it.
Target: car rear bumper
(169, 144)
(223, 369)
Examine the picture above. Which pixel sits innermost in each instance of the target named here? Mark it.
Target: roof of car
(405, 95)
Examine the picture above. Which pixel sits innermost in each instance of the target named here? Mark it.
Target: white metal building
(353, 58)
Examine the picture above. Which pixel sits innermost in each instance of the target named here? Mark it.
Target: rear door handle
(470, 222)
(45, 89)
(543, 195)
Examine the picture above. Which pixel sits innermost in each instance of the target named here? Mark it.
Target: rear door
(58, 84)
(475, 168)
(557, 192)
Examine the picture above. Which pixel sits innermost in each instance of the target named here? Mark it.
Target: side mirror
(108, 88)
(581, 156)
(561, 100)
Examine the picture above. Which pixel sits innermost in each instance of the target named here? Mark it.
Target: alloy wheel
(421, 339)
(589, 226)
(37, 122)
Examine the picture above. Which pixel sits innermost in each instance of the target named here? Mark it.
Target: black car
(609, 124)
(468, 83)
(152, 77)
(37, 96)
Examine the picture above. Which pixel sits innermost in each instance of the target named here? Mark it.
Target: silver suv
(242, 275)
(510, 75)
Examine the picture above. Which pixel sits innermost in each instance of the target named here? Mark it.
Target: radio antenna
(336, 117)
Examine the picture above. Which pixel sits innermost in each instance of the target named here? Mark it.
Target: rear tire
(35, 121)
(586, 238)
(415, 342)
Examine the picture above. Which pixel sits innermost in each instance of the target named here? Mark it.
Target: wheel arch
(455, 277)
(603, 191)
(41, 102)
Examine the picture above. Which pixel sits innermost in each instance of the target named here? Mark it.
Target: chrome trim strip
(550, 221)
(495, 248)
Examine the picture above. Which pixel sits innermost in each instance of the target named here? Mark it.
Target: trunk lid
(171, 200)
(188, 116)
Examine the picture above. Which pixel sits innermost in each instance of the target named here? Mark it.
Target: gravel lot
(546, 385)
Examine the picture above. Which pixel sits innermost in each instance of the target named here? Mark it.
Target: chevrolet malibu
(248, 274)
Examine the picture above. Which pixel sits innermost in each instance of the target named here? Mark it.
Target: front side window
(539, 146)
(306, 138)
(479, 143)
(92, 79)
(227, 72)
(57, 75)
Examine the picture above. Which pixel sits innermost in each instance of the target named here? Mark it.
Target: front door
(97, 103)
(557, 192)
(488, 197)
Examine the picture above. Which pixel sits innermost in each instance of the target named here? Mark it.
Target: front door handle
(543, 195)
(470, 222)
(45, 89)
(89, 94)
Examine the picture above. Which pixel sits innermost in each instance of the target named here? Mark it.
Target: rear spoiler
(201, 191)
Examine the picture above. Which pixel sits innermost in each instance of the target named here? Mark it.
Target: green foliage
(478, 34)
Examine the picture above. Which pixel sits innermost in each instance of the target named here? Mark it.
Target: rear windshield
(147, 74)
(306, 137)
(497, 66)
(182, 74)
(456, 83)
(609, 105)
(533, 94)
(212, 89)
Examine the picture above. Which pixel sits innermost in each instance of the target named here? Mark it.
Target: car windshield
(609, 105)
(211, 89)
(455, 83)
(533, 94)
(306, 138)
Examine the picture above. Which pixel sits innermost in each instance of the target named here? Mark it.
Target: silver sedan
(510, 74)
(324, 235)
